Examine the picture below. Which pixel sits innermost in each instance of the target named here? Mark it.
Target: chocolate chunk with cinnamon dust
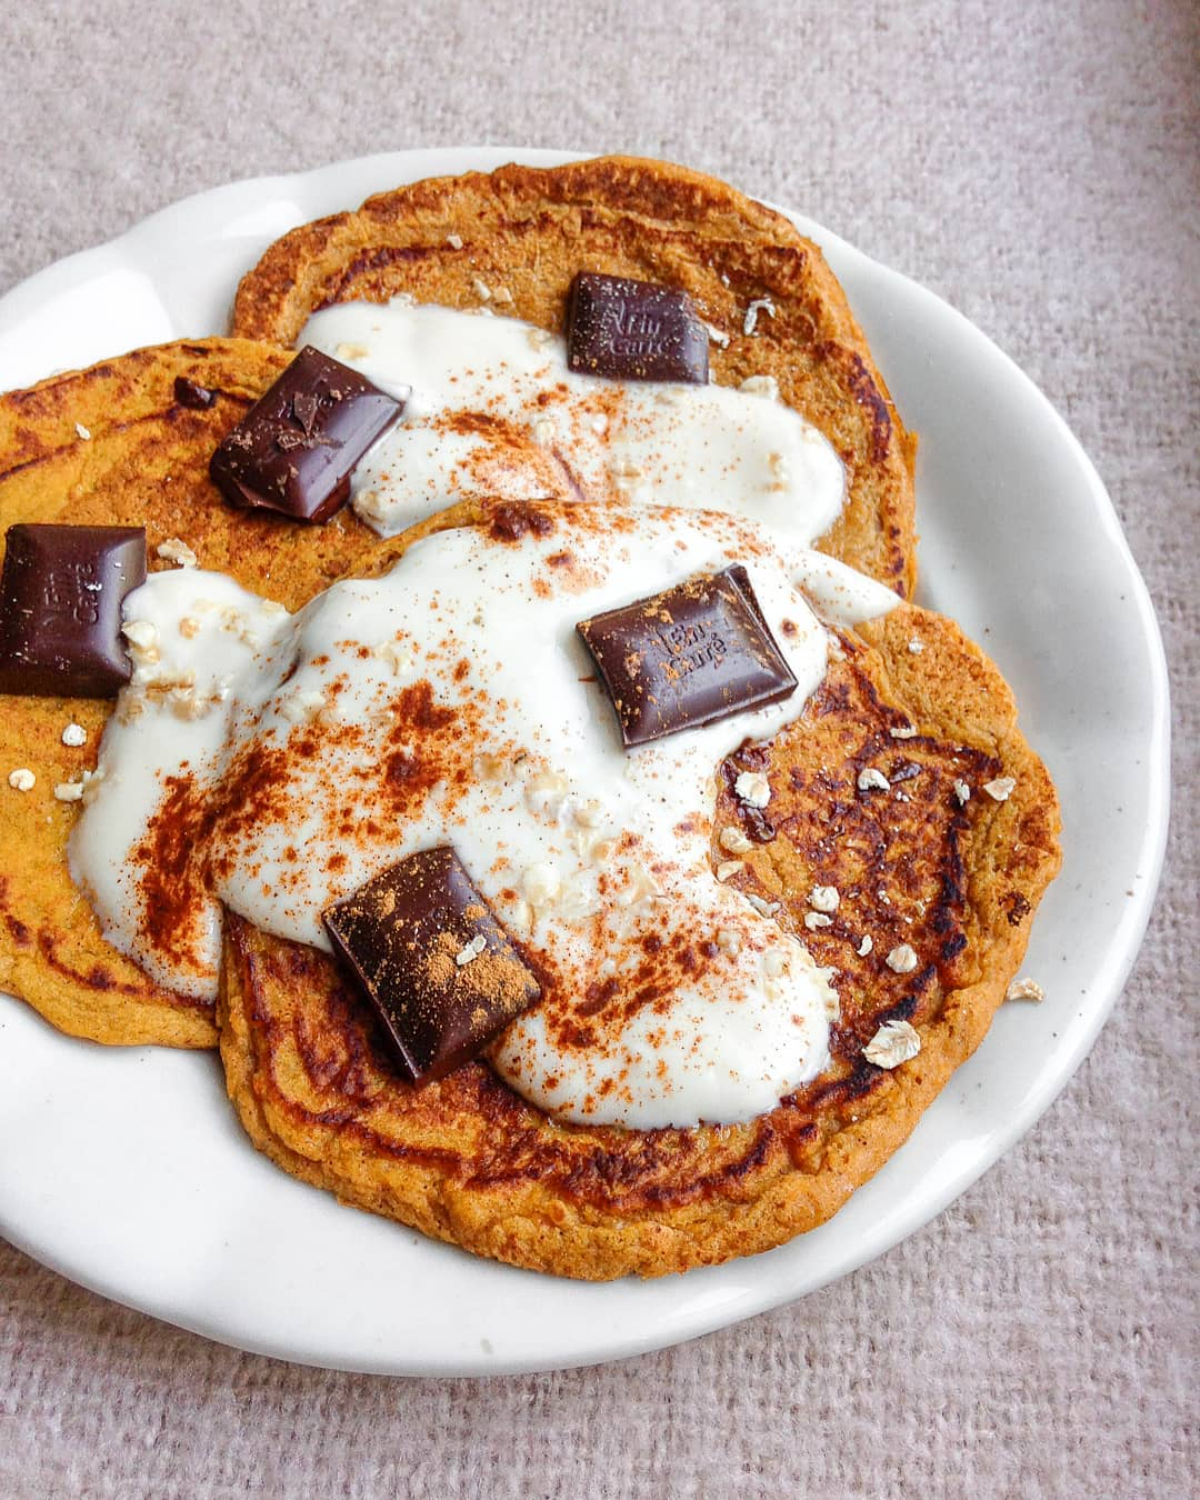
(634, 330)
(433, 960)
(295, 448)
(60, 608)
(686, 657)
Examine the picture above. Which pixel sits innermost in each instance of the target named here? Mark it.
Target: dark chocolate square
(429, 954)
(60, 608)
(634, 330)
(296, 447)
(689, 656)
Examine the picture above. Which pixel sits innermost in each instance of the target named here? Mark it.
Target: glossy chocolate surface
(634, 330)
(60, 608)
(430, 956)
(689, 656)
(296, 447)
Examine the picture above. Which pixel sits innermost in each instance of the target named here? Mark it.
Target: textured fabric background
(1036, 164)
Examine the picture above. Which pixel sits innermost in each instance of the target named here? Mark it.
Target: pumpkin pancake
(121, 444)
(512, 240)
(941, 871)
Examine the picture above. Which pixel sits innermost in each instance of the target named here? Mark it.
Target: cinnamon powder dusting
(193, 839)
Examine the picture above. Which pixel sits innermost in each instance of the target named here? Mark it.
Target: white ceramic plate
(126, 1171)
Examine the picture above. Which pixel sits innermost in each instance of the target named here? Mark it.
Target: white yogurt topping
(451, 701)
(492, 409)
(203, 633)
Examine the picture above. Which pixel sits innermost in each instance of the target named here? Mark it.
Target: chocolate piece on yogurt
(60, 608)
(634, 330)
(689, 656)
(294, 450)
(438, 968)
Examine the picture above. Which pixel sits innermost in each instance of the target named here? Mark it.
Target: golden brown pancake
(521, 233)
(143, 461)
(467, 1160)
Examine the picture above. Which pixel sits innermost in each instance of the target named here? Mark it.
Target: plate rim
(77, 268)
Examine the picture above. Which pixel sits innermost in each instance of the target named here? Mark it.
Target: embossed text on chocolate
(634, 330)
(693, 654)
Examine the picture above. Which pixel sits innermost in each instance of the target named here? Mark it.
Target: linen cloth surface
(1036, 164)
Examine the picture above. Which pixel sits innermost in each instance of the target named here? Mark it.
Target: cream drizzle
(493, 410)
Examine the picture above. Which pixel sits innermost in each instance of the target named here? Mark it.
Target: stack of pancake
(465, 1158)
